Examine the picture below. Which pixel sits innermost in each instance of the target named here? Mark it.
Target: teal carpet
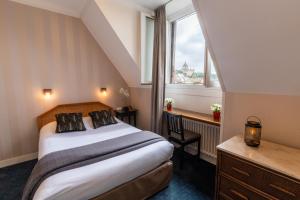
(180, 189)
(194, 181)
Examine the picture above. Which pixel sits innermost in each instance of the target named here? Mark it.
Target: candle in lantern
(252, 132)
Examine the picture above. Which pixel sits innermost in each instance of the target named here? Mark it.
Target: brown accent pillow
(69, 122)
(102, 118)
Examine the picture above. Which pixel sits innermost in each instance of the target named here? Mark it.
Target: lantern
(253, 131)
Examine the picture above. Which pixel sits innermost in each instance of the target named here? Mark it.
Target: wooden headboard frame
(83, 108)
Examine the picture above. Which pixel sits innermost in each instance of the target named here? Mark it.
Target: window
(191, 62)
(147, 41)
(189, 51)
(187, 56)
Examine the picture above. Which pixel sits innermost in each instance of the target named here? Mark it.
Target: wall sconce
(47, 92)
(103, 91)
(253, 132)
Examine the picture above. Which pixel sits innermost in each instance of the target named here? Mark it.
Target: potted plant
(216, 108)
(169, 102)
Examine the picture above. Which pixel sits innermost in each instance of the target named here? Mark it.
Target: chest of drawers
(241, 177)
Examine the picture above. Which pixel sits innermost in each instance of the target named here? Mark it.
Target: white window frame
(207, 67)
(143, 17)
(210, 82)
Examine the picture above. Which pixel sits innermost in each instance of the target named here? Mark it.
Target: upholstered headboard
(84, 108)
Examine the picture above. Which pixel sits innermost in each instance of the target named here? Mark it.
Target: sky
(190, 43)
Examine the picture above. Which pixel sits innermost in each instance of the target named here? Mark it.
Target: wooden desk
(195, 116)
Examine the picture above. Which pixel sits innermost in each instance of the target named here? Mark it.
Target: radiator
(210, 137)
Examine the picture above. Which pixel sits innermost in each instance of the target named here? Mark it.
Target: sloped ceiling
(68, 7)
(256, 43)
(152, 5)
(94, 19)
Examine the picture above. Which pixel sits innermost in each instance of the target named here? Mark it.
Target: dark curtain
(158, 73)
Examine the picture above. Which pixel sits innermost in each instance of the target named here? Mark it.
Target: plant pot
(217, 116)
(169, 107)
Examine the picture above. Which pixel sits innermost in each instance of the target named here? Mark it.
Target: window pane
(149, 39)
(189, 55)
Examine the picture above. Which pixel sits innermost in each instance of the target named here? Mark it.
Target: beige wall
(141, 99)
(41, 49)
(280, 116)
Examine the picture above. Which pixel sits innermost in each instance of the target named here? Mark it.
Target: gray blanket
(59, 161)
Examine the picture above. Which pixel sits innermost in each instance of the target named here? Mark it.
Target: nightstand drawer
(220, 197)
(265, 180)
(280, 187)
(233, 191)
(240, 169)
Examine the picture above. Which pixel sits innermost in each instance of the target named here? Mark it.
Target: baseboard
(18, 159)
(204, 156)
(208, 158)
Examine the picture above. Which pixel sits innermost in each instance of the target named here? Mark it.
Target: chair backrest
(175, 124)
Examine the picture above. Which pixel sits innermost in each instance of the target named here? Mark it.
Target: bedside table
(121, 114)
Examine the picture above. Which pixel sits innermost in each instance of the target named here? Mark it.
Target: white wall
(106, 37)
(125, 20)
(194, 98)
(256, 44)
(116, 27)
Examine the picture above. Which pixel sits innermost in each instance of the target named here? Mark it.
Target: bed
(134, 175)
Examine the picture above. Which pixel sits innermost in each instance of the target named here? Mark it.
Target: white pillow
(88, 123)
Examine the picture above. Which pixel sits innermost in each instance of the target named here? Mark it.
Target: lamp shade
(103, 91)
(47, 92)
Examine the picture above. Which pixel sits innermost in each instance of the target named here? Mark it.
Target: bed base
(142, 187)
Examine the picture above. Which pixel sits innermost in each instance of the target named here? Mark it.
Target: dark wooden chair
(177, 134)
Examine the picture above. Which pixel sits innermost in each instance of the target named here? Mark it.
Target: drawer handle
(238, 194)
(225, 196)
(240, 171)
(282, 190)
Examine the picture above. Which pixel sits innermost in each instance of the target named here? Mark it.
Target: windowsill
(146, 83)
(197, 88)
(190, 86)
(196, 116)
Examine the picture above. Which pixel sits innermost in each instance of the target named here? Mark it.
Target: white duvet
(92, 180)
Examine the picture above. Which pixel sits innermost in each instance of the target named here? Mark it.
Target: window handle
(239, 194)
(240, 171)
(276, 187)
